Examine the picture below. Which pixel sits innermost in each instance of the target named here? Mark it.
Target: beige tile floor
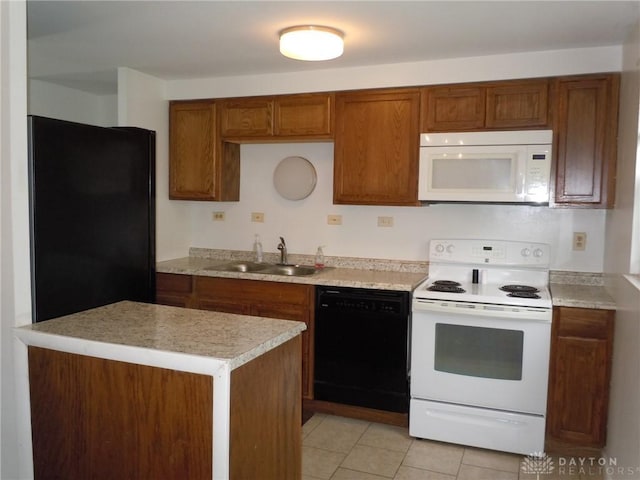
(338, 448)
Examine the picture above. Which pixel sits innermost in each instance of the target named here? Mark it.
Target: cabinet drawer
(174, 283)
(252, 290)
(583, 323)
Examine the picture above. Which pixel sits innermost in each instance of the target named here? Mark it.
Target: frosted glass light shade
(311, 43)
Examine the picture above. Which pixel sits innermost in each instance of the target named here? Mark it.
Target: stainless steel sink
(292, 270)
(239, 266)
(266, 268)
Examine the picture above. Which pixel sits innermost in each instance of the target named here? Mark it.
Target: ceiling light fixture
(311, 43)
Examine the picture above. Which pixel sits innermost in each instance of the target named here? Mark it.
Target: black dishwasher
(361, 347)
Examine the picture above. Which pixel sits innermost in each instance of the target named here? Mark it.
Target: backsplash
(386, 265)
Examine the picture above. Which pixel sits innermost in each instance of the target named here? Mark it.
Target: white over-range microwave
(485, 167)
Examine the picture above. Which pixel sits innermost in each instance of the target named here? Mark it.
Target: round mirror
(294, 178)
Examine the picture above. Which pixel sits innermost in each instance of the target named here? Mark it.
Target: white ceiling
(80, 44)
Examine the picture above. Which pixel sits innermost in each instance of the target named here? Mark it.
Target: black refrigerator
(92, 216)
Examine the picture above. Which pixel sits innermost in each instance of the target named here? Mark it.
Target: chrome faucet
(282, 246)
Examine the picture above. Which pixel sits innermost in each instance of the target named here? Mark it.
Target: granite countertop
(226, 338)
(582, 290)
(568, 289)
(358, 273)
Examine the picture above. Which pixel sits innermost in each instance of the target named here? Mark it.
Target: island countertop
(144, 333)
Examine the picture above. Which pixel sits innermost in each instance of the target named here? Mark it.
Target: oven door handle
(484, 310)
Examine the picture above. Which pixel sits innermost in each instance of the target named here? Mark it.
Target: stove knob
(525, 252)
(439, 248)
(450, 248)
(538, 253)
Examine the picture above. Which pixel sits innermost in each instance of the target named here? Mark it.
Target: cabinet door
(246, 117)
(299, 313)
(452, 108)
(304, 115)
(579, 376)
(193, 150)
(518, 104)
(586, 131)
(376, 148)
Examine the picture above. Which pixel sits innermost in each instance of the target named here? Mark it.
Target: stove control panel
(489, 252)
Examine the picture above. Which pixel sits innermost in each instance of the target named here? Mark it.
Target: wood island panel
(266, 416)
(104, 419)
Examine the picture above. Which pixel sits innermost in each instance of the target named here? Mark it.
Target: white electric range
(481, 327)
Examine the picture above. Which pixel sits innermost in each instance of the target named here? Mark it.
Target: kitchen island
(133, 390)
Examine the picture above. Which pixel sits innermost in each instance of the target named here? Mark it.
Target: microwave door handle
(521, 182)
(520, 186)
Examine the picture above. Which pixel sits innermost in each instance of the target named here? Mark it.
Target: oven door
(480, 357)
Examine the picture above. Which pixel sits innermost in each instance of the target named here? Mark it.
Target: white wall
(141, 103)
(15, 300)
(621, 256)
(623, 225)
(303, 223)
(55, 101)
(471, 69)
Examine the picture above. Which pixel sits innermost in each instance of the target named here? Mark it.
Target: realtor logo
(537, 463)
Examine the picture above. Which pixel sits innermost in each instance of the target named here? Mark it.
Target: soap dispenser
(257, 249)
(319, 263)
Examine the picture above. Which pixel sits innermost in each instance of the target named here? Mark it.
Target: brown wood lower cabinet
(174, 290)
(579, 375)
(105, 419)
(288, 301)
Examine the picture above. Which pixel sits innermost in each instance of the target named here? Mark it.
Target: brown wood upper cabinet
(201, 166)
(586, 126)
(285, 117)
(482, 106)
(376, 147)
(579, 375)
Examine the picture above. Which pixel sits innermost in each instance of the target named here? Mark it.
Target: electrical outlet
(385, 221)
(218, 216)
(579, 240)
(334, 219)
(257, 217)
